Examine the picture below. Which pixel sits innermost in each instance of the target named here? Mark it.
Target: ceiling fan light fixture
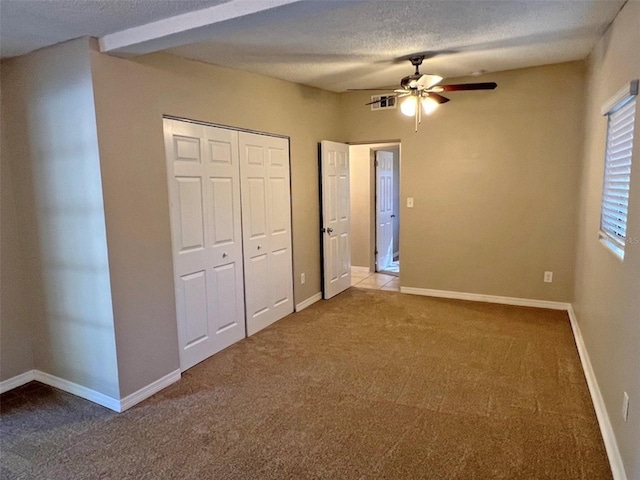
(409, 105)
(429, 105)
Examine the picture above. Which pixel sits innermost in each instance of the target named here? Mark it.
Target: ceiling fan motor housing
(416, 61)
(409, 81)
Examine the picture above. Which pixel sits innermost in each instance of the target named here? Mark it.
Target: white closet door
(204, 192)
(266, 229)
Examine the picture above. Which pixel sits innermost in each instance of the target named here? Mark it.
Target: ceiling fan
(423, 90)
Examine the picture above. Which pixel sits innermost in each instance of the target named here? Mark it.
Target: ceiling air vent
(383, 102)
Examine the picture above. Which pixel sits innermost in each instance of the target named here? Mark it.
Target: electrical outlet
(625, 406)
(409, 202)
(302, 278)
(548, 277)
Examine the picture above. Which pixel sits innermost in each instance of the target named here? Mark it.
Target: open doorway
(375, 217)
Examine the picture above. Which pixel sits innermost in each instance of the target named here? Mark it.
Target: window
(620, 111)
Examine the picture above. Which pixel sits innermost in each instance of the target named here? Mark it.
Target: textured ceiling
(26, 25)
(331, 44)
(353, 44)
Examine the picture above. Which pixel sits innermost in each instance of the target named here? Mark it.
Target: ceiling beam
(182, 29)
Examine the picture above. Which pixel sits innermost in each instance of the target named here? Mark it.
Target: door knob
(393, 216)
(224, 254)
(329, 230)
(259, 247)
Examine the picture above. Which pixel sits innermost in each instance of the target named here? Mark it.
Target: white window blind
(617, 174)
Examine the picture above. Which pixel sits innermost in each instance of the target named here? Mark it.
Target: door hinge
(376, 163)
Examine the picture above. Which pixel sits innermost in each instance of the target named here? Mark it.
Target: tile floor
(362, 278)
(393, 268)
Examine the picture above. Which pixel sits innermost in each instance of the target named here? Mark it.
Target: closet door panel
(203, 172)
(266, 222)
(257, 293)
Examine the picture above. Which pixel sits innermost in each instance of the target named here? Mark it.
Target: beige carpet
(368, 385)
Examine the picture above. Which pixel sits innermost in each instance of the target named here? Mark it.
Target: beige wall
(608, 290)
(494, 176)
(48, 123)
(131, 98)
(16, 328)
(53, 125)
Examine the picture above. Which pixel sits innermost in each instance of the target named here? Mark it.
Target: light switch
(409, 202)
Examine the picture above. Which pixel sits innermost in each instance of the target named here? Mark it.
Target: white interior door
(266, 228)
(336, 218)
(384, 209)
(204, 193)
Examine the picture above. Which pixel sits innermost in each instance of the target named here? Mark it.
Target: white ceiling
(331, 44)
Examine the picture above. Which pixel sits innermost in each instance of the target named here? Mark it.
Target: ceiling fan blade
(438, 98)
(370, 89)
(427, 81)
(467, 86)
(402, 90)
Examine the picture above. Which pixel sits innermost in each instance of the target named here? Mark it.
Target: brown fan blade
(467, 86)
(438, 98)
(370, 89)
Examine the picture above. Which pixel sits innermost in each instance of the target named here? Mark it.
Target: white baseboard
(151, 389)
(610, 443)
(309, 301)
(17, 381)
(477, 297)
(78, 390)
(88, 394)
